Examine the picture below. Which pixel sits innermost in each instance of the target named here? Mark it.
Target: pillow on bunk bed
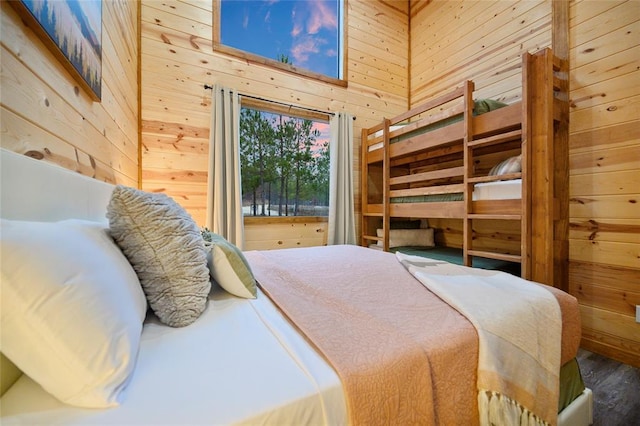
(510, 165)
(482, 106)
(165, 247)
(409, 237)
(72, 309)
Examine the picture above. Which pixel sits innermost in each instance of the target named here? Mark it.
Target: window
(300, 36)
(284, 164)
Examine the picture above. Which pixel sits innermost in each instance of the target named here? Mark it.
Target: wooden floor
(616, 389)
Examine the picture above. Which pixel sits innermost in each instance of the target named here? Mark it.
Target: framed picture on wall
(72, 30)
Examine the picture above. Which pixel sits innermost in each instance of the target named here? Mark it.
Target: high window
(284, 162)
(300, 36)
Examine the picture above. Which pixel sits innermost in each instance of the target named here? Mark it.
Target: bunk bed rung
(431, 190)
(495, 216)
(372, 214)
(372, 238)
(436, 174)
(493, 140)
(497, 256)
(482, 179)
(558, 107)
(559, 64)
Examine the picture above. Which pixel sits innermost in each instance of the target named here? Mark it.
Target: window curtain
(224, 193)
(342, 227)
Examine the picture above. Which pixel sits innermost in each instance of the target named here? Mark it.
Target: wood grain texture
(46, 115)
(604, 158)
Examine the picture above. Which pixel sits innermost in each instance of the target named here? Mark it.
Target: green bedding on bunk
(480, 106)
(456, 196)
(454, 255)
(571, 383)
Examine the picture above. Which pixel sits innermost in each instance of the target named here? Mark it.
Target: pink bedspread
(403, 355)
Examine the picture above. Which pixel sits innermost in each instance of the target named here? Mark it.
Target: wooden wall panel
(452, 41)
(604, 183)
(178, 59)
(46, 115)
(279, 233)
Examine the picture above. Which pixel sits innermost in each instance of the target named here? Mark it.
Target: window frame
(272, 63)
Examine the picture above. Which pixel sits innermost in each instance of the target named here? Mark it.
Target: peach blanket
(403, 355)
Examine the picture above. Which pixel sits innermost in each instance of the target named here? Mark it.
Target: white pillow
(72, 309)
(229, 268)
(409, 237)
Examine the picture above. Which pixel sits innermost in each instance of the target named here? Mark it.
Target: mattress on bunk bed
(499, 190)
(480, 106)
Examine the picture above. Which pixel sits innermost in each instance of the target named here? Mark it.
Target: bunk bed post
(386, 197)
(561, 173)
(525, 224)
(467, 226)
(539, 88)
(364, 188)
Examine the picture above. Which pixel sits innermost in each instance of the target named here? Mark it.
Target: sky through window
(307, 32)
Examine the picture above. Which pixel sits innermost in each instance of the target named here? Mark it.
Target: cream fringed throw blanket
(519, 351)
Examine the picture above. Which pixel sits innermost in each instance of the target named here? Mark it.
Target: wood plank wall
(178, 59)
(604, 247)
(604, 155)
(46, 115)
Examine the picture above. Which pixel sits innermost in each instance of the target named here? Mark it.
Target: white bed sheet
(240, 363)
(499, 190)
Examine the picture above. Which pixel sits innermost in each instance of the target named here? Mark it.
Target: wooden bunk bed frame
(453, 158)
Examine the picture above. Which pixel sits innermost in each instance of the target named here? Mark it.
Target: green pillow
(228, 267)
(482, 106)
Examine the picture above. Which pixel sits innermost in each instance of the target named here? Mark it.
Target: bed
(243, 361)
(479, 162)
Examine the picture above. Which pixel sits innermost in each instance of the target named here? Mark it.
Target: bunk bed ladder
(364, 187)
(382, 212)
(386, 192)
(477, 214)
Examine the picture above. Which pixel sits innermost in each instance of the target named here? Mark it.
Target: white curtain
(224, 193)
(342, 227)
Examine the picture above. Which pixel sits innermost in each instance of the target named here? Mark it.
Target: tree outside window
(284, 165)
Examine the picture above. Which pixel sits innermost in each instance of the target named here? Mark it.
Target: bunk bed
(478, 161)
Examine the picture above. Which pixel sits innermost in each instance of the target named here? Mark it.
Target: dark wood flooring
(616, 389)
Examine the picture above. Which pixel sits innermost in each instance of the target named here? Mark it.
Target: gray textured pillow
(165, 248)
(510, 165)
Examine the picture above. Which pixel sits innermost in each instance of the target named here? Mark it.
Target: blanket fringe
(500, 410)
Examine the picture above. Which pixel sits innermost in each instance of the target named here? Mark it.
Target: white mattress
(190, 376)
(499, 190)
